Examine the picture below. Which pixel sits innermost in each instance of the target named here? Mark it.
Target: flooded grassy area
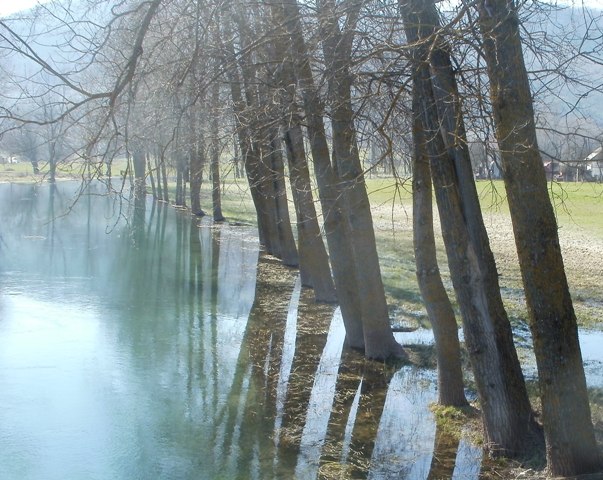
(265, 384)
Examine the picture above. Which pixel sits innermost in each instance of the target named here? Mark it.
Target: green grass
(22, 172)
(579, 205)
(576, 205)
(16, 171)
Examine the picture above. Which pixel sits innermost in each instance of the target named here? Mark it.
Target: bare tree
(571, 445)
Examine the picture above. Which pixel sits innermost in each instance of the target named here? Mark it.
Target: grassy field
(577, 205)
(17, 172)
(22, 172)
(579, 211)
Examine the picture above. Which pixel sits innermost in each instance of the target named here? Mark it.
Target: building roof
(596, 156)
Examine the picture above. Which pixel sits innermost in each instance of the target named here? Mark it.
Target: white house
(594, 164)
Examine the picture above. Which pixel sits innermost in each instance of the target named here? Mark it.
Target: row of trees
(283, 81)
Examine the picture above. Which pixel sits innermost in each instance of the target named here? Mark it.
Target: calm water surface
(138, 343)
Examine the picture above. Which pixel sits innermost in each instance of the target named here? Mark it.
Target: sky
(11, 6)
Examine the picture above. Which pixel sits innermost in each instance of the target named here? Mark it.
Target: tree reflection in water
(342, 416)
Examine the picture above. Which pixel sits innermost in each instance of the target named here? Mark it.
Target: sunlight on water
(591, 344)
(321, 399)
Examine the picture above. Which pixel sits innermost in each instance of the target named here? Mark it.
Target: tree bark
(570, 442)
(164, 177)
(250, 152)
(196, 162)
(439, 309)
(216, 194)
(337, 233)
(314, 261)
(278, 193)
(379, 341)
(139, 162)
(263, 161)
(151, 176)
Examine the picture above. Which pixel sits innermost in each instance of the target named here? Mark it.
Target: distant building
(594, 164)
(4, 159)
(552, 170)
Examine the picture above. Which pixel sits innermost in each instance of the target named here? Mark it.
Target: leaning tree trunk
(570, 442)
(216, 194)
(379, 341)
(139, 162)
(439, 309)
(196, 162)
(509, 425)
(262, 163)
(164, 176)
(337, 233)
(278, 192)
(248, 149)
(314, 260)
(151, 176)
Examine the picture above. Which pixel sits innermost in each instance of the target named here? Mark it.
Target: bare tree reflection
(312, 327)
(445, 448)
(256, 378)
(361, 391)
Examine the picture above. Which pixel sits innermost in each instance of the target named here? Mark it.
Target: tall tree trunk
(256, 178)
(314, 261)
(139, 162)
(379, 341)
(337, 232)
(261, 160)
(237, 160)
(278, 194)
(509, 425)
(571, 446)
(180, 180)
(151, 176)
(216, 194)
(313, 256)
(439, 309)
(52, 157)
(196, 162)
(249, 151)
(162, 169)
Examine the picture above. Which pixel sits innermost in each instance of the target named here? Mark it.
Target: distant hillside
(564, 52)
